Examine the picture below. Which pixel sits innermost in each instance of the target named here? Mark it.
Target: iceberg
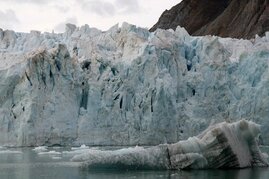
(52, 152)
(40, 149)
(127, 86)
(82, 147)
(223, 145)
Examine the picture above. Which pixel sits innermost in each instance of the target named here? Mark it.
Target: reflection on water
(27, 164)
(198, 174)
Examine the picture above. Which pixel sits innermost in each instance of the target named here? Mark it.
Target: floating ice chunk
(222, 145)
(77, 152)
(82, 147)
(50, 153)
(10, 152)
(40, 149)
(129, 158)
(56, 158)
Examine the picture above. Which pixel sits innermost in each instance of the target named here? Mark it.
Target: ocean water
(24, 163)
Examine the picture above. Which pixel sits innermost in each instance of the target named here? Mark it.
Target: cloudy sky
(48, 15)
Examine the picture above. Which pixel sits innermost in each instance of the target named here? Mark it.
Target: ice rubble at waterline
(224, 145)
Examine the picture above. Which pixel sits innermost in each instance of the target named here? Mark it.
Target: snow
(127, 86)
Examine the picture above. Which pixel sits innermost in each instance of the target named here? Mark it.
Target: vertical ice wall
(127, 86)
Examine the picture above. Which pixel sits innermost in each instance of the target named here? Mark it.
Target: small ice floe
(10, 152)
(75, 152)
(56, 158)
(82, 147)
(40, 149)
(50, 153)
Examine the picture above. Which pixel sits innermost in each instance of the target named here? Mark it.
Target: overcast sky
(48, 15)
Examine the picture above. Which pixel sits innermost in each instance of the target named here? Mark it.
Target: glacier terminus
(127, 86)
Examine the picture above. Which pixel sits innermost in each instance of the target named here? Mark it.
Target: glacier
(127, 86)
(223, 145)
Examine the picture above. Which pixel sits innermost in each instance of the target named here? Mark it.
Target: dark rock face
(226, 18)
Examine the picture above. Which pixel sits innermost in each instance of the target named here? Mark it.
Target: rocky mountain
(127, 86)
(226, 18)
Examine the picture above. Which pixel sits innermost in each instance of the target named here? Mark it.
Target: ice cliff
(127, 86)
(222, 145)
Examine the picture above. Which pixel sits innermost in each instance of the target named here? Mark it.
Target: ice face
(222, 145)
(127, 86)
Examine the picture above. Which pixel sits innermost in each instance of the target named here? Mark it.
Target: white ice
(127, 86)
(223, 145)
(82, 147)
(10, 152)
(52, 152)
(40, 149)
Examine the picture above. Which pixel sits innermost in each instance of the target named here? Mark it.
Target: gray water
(27, 164)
